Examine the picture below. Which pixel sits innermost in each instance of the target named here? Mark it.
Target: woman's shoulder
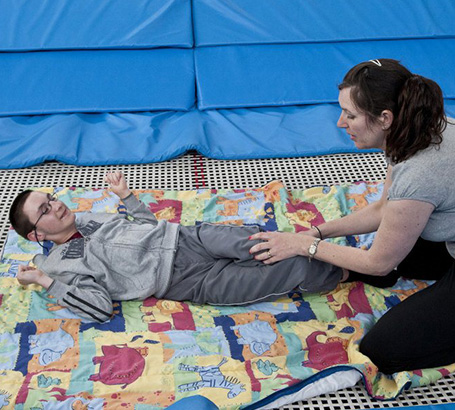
(428, 173)
(437, 154)
(450, 129)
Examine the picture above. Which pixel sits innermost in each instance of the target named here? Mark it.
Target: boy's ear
(35, 236)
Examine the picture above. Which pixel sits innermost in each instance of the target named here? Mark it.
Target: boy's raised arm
(117, 184)
(137, 209)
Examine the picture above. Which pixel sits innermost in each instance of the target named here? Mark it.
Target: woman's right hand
(276, 246)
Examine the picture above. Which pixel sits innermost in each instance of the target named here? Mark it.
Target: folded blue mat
(221, 22)
(94, 24)
(133, 138)
(96, 81)
(289, 74)
(102, 139)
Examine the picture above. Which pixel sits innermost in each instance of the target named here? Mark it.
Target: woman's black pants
(419, 332)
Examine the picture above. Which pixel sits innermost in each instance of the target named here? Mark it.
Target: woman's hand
(277, 246)
(117, 184)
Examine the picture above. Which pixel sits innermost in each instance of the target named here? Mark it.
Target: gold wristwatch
(313, 248)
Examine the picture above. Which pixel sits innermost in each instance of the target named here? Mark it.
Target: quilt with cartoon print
(156, 352)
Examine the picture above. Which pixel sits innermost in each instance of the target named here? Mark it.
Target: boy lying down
(100, 257)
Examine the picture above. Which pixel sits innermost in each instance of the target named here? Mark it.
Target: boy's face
(57, 221)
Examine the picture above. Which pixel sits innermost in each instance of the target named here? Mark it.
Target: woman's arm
(398, 223)
(402, 223)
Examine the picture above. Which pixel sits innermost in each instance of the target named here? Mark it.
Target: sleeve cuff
(57, 289)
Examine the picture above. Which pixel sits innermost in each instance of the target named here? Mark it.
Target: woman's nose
(341, 123)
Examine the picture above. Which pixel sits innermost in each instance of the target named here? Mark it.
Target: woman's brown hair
(416, 103)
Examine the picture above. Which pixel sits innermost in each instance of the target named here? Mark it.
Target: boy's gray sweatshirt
(118, 258)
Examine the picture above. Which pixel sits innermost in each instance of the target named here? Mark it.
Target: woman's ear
(386, 119)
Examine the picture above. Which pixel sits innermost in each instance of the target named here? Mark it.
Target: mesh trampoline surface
(193, 171)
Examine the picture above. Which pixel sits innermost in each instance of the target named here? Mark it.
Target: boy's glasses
(45, 208)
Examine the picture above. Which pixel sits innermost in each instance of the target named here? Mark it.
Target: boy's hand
(26, 275)
(117, 184)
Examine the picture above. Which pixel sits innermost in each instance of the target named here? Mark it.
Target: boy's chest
(74, 249)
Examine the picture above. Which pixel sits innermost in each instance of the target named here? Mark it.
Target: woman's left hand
(277, 246)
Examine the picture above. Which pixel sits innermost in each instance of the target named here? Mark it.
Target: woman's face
(364, 135)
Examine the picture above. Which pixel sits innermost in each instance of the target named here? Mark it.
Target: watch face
(313, 248)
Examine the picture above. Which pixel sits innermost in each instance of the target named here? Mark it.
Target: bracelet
(319, 232)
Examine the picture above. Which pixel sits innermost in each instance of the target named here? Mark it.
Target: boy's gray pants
(213, 265)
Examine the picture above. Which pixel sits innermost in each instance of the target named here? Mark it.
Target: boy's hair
(19, 221)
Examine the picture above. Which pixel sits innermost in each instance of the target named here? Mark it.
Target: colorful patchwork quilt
(156, 352)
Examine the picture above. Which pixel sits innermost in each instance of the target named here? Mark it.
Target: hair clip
(377, 62)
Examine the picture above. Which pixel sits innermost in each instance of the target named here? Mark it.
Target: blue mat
(94, 24)
(101, 139)
(221, 22)
(286, 74)
(115, 82)
(96, 81)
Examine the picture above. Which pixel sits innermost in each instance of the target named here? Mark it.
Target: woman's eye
(350, 117)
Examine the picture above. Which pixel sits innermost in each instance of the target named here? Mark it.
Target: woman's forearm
(283, 245)
(354, 259)
(362, 221)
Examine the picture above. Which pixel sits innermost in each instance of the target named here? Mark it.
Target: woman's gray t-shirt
(429, 176)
